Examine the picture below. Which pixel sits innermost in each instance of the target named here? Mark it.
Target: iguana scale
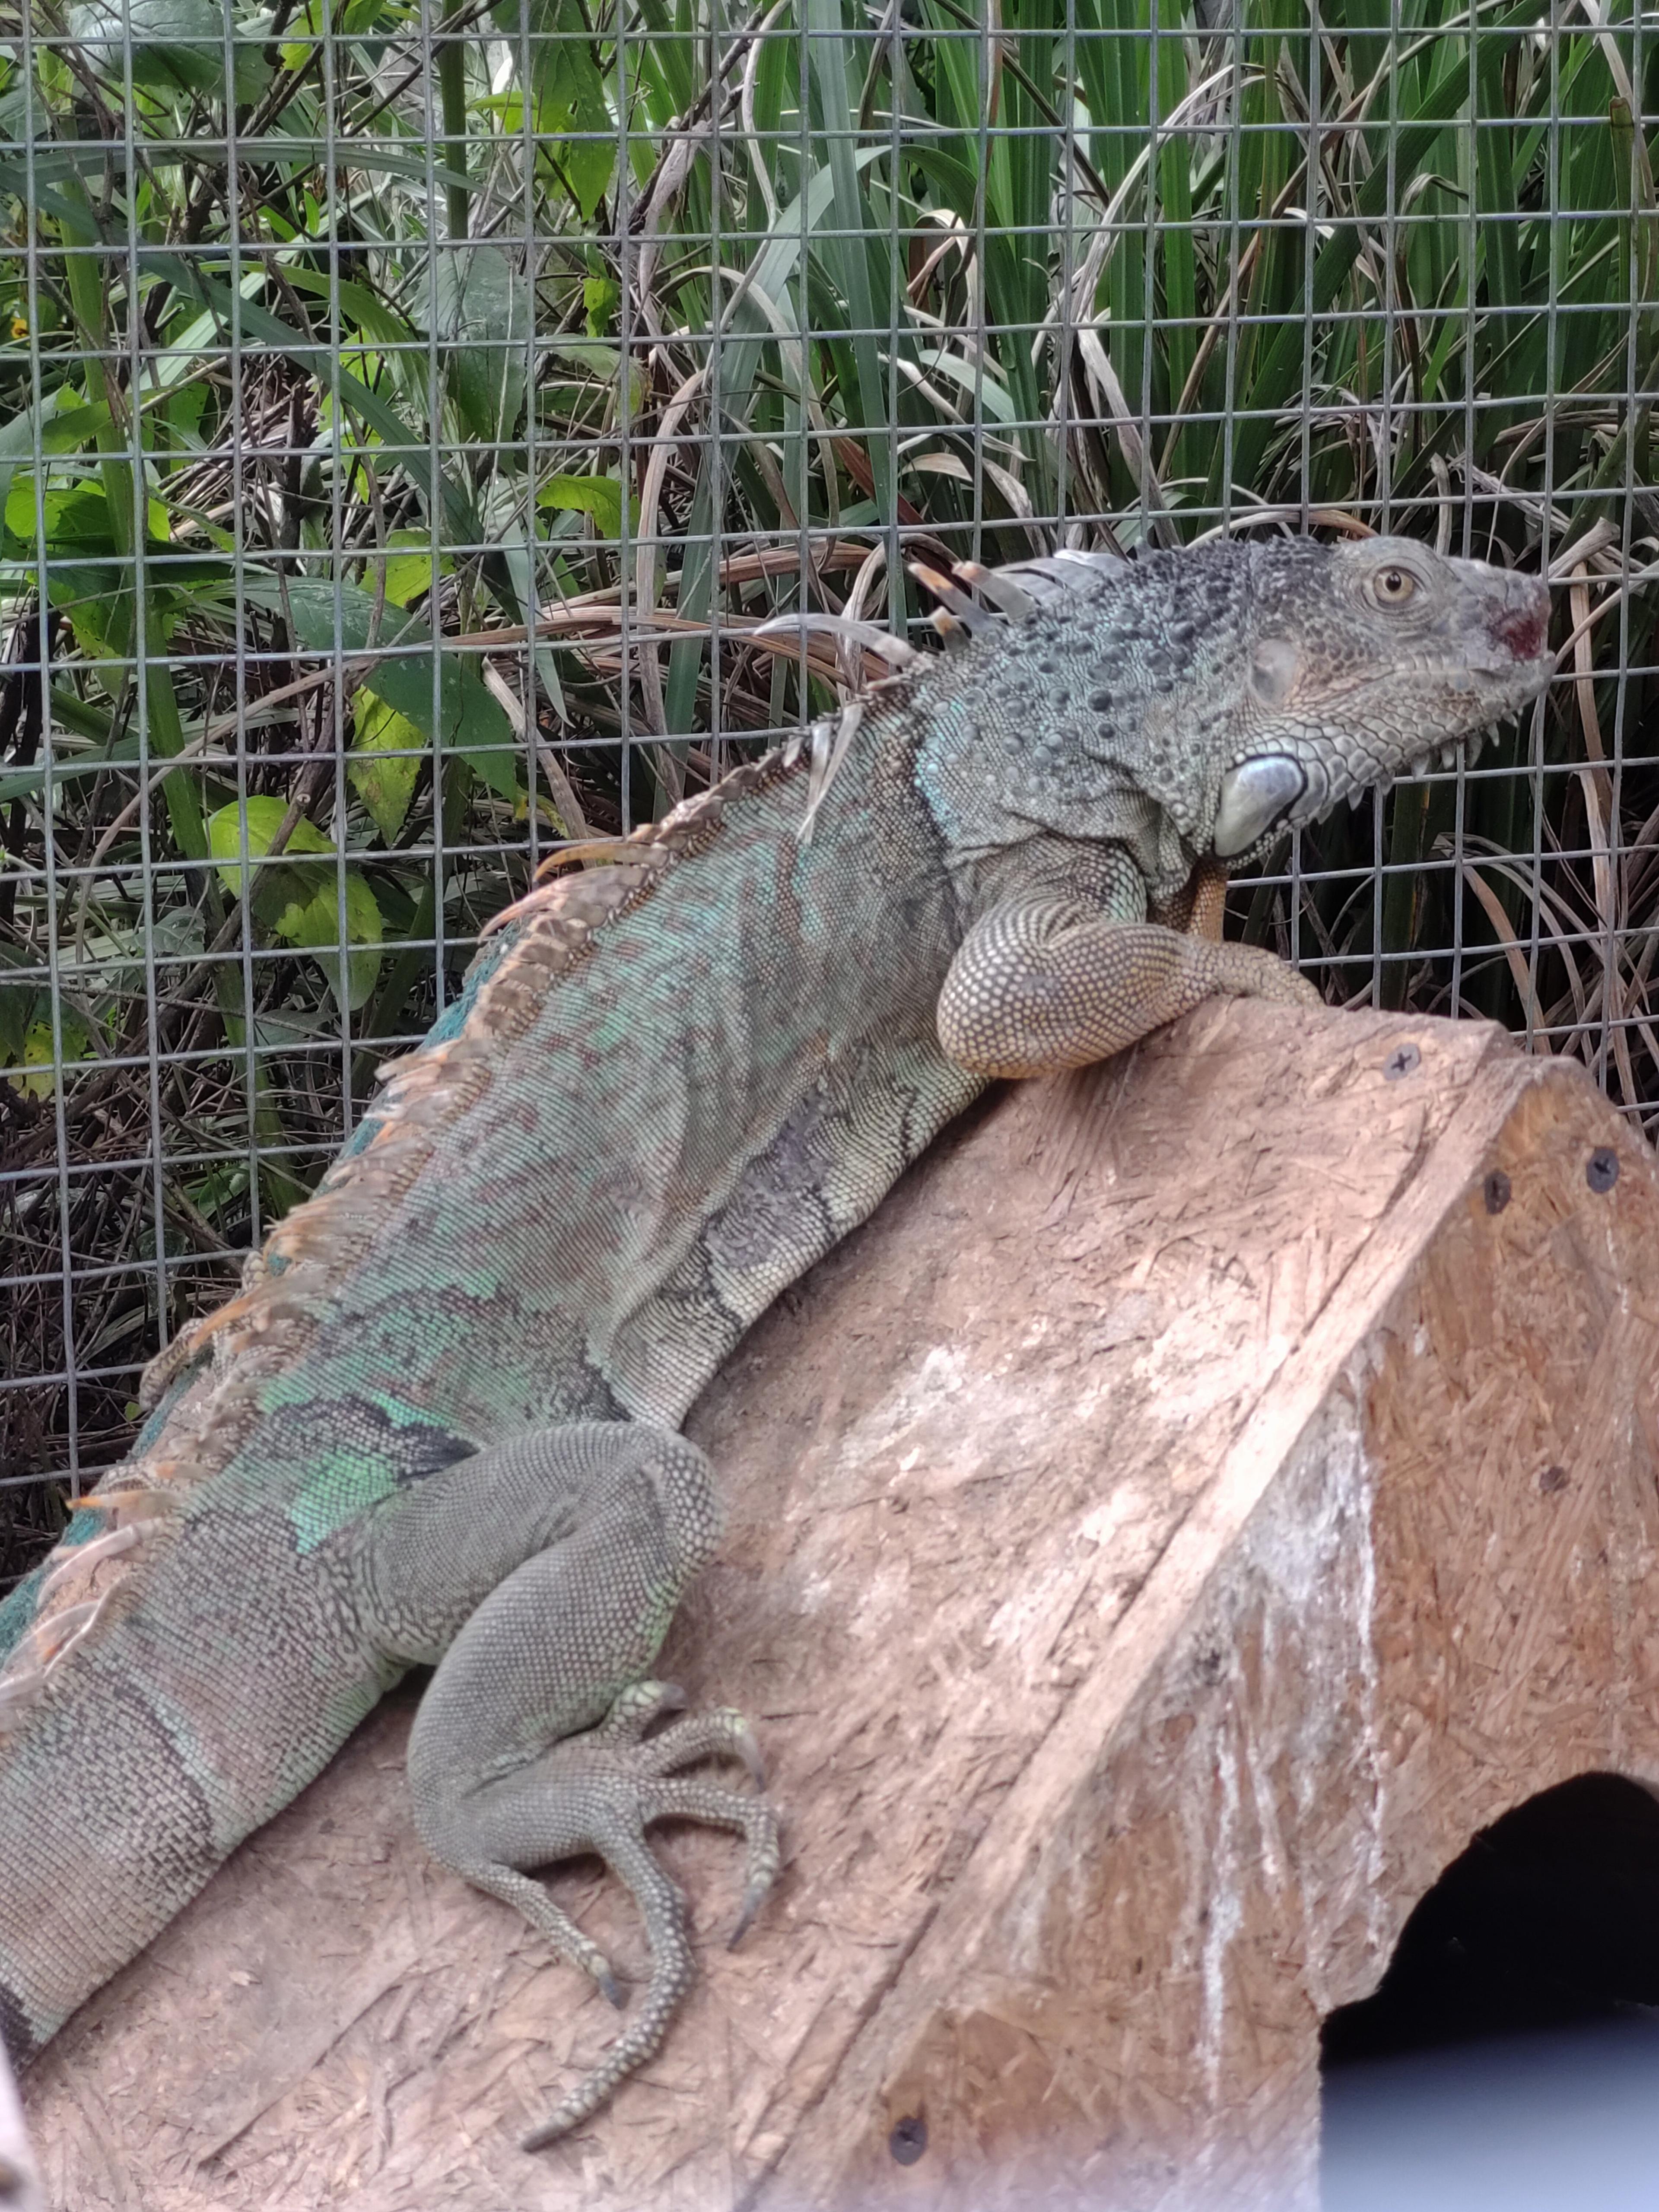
(440, 1424)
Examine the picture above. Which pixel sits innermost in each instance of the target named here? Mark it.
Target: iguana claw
(753, 1898)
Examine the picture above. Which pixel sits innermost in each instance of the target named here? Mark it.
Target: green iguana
(438, 1426)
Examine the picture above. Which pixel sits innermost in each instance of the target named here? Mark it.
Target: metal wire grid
(468, 300)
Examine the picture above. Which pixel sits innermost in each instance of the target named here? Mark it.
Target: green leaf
(599, 497)
(174, 44)
(300, 902)
(600, 297)
(264, 817)
(406, 564)
(60, 427)
(569, 92)
(98, 599)
(18, 1002)
(77, 516)
(574, 100)
(468, 720)
(386, 786)
(39, 1056)
(315, 926)
(483, 320)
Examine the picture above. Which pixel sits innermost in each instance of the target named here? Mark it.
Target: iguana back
(440, 1423)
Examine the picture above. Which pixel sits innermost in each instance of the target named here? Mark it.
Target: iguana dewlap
(440, 1424)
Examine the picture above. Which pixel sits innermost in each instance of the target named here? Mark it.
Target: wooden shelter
(1211, 1490)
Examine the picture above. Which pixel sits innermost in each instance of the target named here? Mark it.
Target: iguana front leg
(1201, 908)
(1050, 983)
(556, 1563)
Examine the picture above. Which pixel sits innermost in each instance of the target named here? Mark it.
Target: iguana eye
(1392, 588)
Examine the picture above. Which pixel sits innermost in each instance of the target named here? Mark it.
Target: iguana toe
(639, 1704)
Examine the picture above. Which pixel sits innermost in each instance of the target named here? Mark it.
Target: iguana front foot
(1043, 984)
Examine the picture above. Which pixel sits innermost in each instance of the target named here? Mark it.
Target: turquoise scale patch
(351, 1484)
(17, 1611)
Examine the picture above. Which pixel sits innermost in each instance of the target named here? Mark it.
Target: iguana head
(1190, 703)
(1365, 659)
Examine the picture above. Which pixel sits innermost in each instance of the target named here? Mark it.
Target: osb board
(995, 1595)
(1443, 1603)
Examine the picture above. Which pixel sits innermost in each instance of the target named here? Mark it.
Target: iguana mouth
(1325, 792)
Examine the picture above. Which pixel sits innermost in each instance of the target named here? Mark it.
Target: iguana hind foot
(601, 1797)
(555, 1562)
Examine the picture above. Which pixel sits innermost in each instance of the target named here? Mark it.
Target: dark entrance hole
(1510, 2054)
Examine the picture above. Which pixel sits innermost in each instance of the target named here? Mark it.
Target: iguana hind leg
(554, 1562)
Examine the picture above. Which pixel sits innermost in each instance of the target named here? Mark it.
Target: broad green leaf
(387, 752)
(97, 597)
(173, 43)
(301, 903)
(315, 928)
(263, 815)
(481, 319)
(38, 1059)
(467, 721)
(77, 516)
(600, 296)
(406, 565)
(18, 1006)
(61, 425)
(571, 97)
(599, 497)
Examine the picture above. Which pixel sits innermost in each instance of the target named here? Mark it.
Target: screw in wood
(908, 2139)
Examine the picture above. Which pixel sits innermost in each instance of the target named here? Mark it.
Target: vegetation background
(343, 337)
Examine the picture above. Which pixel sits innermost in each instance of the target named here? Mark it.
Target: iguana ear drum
(1253, 796)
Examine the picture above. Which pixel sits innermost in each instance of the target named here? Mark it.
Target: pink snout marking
(1523, 630)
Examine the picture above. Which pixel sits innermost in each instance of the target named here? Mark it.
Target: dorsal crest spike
(997, 585)
(967, 612)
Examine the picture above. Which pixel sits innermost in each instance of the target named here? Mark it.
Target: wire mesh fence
(409, 420)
